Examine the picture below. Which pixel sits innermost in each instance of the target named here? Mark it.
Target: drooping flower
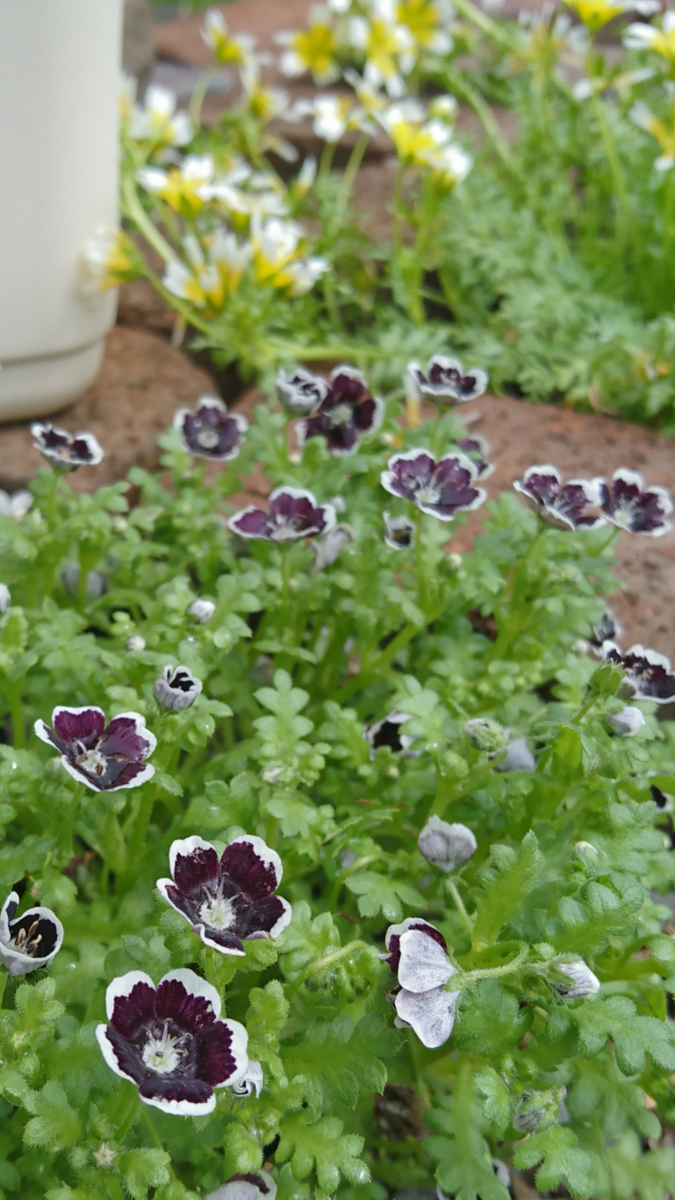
(181, 187)
(648, 674)
(157, 121)
(15, 505)
(387, 732)
(627, 503)
(627, 722)
(258, 1186)
(210, 430)
(251, 1082)
(170, 1042)
(176, 689)
(203, 610)
(446, 379)
(607, 629)
(229, 900)
(109, 259)
(519, 757)
(399, 532)
(477, 449)
(663, 800)
(29, 941)
(346, 413)
(5, 597)
(312, 49)
(67, 451)
(584, 982)
(104, 757)
(640, 36)
(565, 506)
(301, 391)
(442, 489)
(327, 548)
(419, 956)
(228, 49)
(293, 513)
(97, 584)
(444, 844)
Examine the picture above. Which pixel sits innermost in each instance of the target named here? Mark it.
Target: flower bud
(97, 584)
(136, 642)
(5, 597)
(486, 734)
(587, 851)
(584, 982)
(446, 845)
(203, 610)
(627, 722)
(519, 757)
(251, 1082)
(176, 688)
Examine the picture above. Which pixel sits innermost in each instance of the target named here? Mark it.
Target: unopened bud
(446, 845)
(584, 982)
(203, 610)
(486, 734)
(176, 688)
(136, 642)
(627, 722)
(587, 851)
(5, 597)
(519, 757)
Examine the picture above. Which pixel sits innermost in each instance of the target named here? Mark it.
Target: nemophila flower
(596, 13)
(67, 451)
(627, 722)
(663, 800)
(180, 187)
(312, 49)
(293, 513)
(519, 757)
(627, 503)
(301, 391)
(210, 430)
(229, 900)
(109, 259)
(16, 504)
(228, 49)
(29, 941)
(446, 845)
(565, 506)
(169, 1041)
(212, 274)
(643, 117)
(327, 548)
(203, 610)
(5, 597)
(418, 954)
(640, 36)
(477, 449)
(387, 732)
(277, 257)
(157, 121)
(442, 489)
(346, 413)
(648, 674)
(399, 532)
(387, 46)
(135, 642)
(176, 689)
(583, 981)
(258, 1186)
(446, 379)
(251, 1082)
(607, 629)
(104, 757)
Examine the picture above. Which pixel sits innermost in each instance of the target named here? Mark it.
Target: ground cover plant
(339, 867)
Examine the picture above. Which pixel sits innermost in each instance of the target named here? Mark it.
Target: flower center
(341, 414)
(27, 942)
(162, 1054)
(218, 913)
(427, 495)
(207, 438)
(92, 761)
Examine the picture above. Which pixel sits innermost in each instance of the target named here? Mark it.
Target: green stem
(483, 22)
(17, 714)
(198, 97)
(627, 231)
(150, 1126)
(4, 976)
(326, 961)
(135, 212)
(402, 638)
(422, 590)
(459, 903)
(508, 968)
(475, 101)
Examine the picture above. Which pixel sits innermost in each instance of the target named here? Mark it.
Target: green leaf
(55, 1125)
(562, 1159)
(143, 1169)
(381, 894)
(648, 1175)
(464, 1160)
(243, 1151)
(634, 1036)
(267, 1014)
(505, 892)
(341, 1059)
(321, 1144)
(496, 1098)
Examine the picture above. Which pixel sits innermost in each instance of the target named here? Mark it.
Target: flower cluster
(583, 504)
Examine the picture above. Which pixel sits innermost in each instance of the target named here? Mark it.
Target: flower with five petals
(418, 953)
(104, 757)
(442, 489)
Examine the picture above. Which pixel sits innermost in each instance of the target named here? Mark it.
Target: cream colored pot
(59, 86)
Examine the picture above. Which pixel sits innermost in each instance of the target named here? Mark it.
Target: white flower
(136, 642)
(203, 610)
(388, 47)
(157, 121)
(258, 1186)
(5, 597)
(305, 273)
(227, 48)
(418, 953)
(584, 982)
(446, 845)
(176, 689)
(311, 49)
(627, 722)
(16, 505)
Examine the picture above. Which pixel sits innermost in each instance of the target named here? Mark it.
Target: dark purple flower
(387, 732)
(423, 1000)
(627, 503)
(105, 757)
(441, 488)
(648, 674)
(477, 449)
(169, 1041)
(259, 1186)
(210, 430)
(294, 513)
(227, 901)
(29, 941)
(566, 506)
(177, 688)
(346, 413)
(302, 391)
(446, 379)
(67, 451)
(399, 532)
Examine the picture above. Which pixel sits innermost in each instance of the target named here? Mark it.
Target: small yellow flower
(258, 101)
(180, 186)
(212, 274)
(110, 258)
(424, 19)
(596, 13)
(229, 49)
(640, 36)
(312, 49)
(664, 135)
(388, 47)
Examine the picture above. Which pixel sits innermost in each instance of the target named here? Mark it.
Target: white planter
(59, 87)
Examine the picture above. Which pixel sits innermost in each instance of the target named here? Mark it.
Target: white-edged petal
(195, 986)
(264, 852)
(123, 985)
(109, 1054)
(424, 963)
(431, 1014)
(184, 847)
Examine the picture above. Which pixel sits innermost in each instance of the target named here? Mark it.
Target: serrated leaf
(634, 1036)
(321, 1145)
(562, 1159)
(55, 1125)
(504, 895)
(341, 1059)
(143, 1169)
(382, 894)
